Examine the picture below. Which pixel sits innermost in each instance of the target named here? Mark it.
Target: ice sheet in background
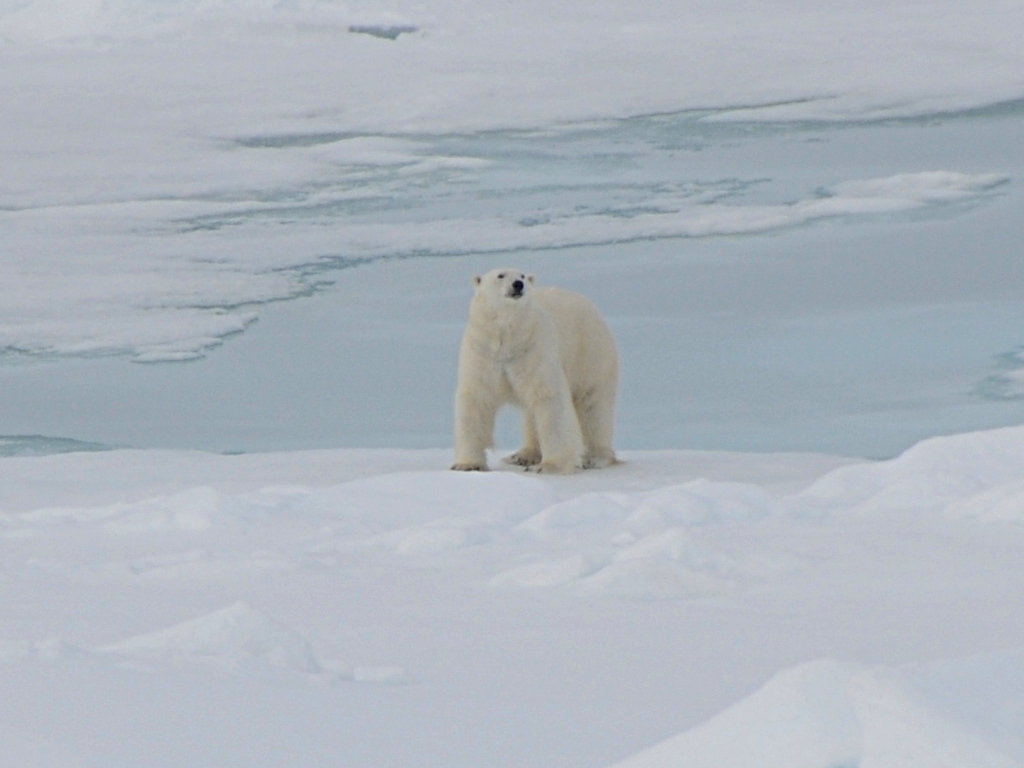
(788, 287)
(134, 133)
(171, 169)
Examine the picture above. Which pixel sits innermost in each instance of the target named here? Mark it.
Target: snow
(352, 606)
(802, 222)
(934, 474)
(225, 638)
(825, 713)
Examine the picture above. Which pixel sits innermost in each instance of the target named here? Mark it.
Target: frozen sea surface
(824, 286)
(801, 221)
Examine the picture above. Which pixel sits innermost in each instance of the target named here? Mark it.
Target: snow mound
(959, 474)
(696, 503)
(426, 512)
(193, 510)
(545, 573)
(663, 566)
(1003, 503)
(686, 541)
(233, 639)
(649, 545)
(50, 649)
(825, 714)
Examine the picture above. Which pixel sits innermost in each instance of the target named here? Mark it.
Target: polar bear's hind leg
(596, 415)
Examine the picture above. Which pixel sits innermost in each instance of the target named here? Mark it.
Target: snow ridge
(824, 714)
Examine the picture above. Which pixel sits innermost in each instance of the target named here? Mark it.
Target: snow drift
(635, 602)
(824, 714)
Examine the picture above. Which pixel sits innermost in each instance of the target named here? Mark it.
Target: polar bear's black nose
(517, 286)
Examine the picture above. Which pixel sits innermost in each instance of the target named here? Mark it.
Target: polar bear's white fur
(547, 351)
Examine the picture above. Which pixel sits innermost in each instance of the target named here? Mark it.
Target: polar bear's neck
(505, 329)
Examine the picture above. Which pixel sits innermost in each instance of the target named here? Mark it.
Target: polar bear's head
(504, 284)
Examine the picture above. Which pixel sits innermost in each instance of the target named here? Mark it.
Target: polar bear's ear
(530, 279)
(477, 280)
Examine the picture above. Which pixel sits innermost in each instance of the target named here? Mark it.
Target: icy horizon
(135, 133)
(871, 60)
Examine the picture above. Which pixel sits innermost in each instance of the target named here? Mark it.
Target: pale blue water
(850, 335)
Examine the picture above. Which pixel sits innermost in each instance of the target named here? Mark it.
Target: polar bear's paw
(552, 468)
(599, 460)
(469, 466)
(526, 457)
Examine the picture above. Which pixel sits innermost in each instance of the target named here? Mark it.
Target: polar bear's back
(588, 350)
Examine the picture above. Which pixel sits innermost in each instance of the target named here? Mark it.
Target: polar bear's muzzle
(515, 291)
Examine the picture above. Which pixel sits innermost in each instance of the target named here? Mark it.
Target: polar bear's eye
(501, 276)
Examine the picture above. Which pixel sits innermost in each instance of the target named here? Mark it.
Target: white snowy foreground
(369, 608)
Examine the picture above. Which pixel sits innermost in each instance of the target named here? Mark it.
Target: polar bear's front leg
(558, 431)
(529, 454)
(474, 430)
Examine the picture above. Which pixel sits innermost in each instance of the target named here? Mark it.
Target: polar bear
(547, 351)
